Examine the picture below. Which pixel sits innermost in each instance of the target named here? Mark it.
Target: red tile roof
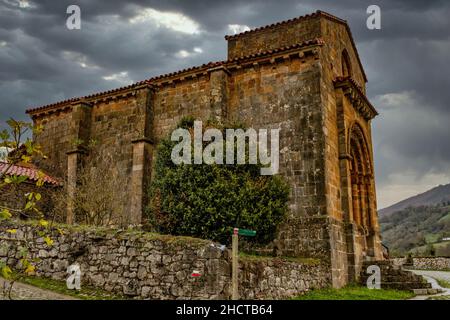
(318, 13)
(26, 171)
(273, 25)
(152, 81)
(66, 103)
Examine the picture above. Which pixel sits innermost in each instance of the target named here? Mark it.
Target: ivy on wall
(207, 200)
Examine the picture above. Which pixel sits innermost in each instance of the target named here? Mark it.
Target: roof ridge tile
(26, 171)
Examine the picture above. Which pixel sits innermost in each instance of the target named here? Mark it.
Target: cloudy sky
(407, 63)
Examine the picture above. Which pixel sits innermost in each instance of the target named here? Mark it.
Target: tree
(430, 251)
(23, 150)
(444, 251)
(98, 198)
(207, 200)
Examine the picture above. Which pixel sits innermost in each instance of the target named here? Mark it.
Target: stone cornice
(90, 100)
(299, 50)
(220, 68)
(356, 96)
(317, 14)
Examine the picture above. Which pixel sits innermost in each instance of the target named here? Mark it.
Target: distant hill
(431, 197)
(418, 230)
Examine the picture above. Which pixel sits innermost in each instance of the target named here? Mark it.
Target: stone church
(303, 76)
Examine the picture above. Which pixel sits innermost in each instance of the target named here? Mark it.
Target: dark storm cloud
(406, 62)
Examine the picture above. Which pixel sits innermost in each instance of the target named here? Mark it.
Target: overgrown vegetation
(418, 230)
(206, 200)
(98, 198)
(253, 257)
(356, 293)
(21, 149)
(443, 283)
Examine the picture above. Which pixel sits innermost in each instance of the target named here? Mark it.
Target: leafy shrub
(206, 201)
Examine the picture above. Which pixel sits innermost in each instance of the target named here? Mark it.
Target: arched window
(345, 63)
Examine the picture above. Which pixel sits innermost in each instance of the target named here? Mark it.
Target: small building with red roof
(13, 195)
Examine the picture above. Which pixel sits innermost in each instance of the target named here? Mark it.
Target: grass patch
(419, 251)
(355, 293)
(445, 218)
(443, 283)
(433, 237)
(108, 232)
(86, 292)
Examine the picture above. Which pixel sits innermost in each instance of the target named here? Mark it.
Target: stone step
(396, 278)
(426, 291)
(396, 273)
(378, 263)
(388, 269)
(405, 285)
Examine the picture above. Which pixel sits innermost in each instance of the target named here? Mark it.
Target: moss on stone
(355, 293)
(300, 260)
(121, 234)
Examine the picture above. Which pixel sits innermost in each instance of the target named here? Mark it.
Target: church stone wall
(174, 101)
(55, 139)
(281, 35)
(291, 88)
(287, 96)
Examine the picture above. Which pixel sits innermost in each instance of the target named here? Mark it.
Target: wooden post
(235, 263)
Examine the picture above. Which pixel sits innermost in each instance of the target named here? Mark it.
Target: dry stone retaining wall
(151, 266)
(426, 263)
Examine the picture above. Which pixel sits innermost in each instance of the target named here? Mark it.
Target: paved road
(431, 277)
(444, 275)
(23, 291)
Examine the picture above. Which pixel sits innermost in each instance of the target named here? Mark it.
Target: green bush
(206, 201)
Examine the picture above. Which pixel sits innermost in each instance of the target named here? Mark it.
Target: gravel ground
(444, 275)
(23, 291)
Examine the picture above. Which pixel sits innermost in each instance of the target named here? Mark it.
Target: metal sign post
(235, 262)
(235, 258)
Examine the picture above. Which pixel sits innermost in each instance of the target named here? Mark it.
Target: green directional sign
(246, 232)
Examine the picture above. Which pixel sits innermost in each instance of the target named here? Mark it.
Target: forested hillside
(418, 230)
(437, 195)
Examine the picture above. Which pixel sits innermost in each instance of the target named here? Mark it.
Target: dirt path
(23, 291)
(431, 277)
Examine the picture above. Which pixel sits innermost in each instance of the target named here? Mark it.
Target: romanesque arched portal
(362, 189)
